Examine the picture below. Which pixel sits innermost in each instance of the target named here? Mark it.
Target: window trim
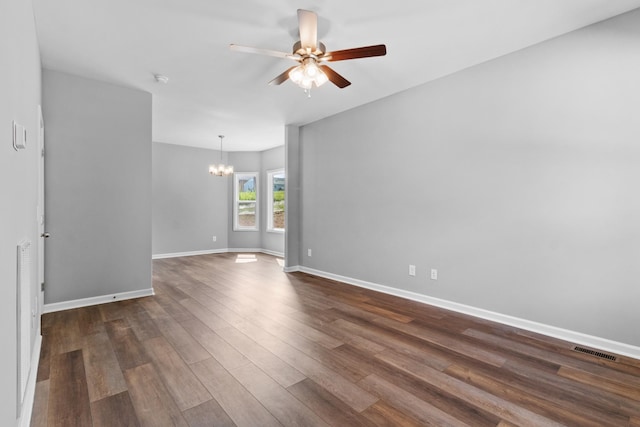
(270, 175)
(236, 201)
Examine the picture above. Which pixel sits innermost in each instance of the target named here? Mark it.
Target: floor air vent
(594, 353)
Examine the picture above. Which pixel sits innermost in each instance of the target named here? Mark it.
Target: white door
(40, 217)
(29, 300)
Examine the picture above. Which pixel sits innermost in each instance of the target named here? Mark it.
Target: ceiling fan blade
(282, 77)
(268, 52)
(308, 27)
(335, 78)
(355, 53)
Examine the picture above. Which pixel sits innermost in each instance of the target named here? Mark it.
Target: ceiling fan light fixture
(321, 78)
(307, 74)
(310, 68)
(297, 74)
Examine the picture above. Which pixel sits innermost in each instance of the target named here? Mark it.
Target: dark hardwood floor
(226, 343)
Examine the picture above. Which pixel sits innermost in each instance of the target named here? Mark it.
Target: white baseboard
(273, 253)
(244, 250)
(191, 253)
(548, 330)
(218, 251)
(256, 250)
(29, 394)
(84, 302)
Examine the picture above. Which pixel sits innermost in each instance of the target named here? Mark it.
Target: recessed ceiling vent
(594, 353)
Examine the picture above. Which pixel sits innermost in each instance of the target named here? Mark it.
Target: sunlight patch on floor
(245, 258)
(280, 262)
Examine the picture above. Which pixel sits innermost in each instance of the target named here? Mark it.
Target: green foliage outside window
(247, 195)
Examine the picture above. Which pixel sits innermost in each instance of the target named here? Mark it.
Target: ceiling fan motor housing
(303, 51)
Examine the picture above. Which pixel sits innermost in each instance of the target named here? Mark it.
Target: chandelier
(220, 169)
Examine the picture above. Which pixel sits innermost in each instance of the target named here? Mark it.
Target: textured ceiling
(212, 90)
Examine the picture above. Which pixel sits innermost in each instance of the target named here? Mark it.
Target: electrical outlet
(215, 238)
(308, 252)
(412, 270)
(434, 274)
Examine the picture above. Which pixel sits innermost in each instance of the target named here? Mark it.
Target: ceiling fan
(311, 55)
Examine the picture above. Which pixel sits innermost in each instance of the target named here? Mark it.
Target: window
(275, 200)
(245, 201)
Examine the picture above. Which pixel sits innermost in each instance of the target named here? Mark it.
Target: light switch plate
(19, 136)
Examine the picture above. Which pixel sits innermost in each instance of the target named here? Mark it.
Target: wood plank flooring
(226, 343)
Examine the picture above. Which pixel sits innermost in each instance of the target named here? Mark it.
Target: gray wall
(517, 179)
(189, 205)
(293, 198)
(98, 174)
(19, 100)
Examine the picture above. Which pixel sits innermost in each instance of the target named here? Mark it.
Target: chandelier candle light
(220, 169)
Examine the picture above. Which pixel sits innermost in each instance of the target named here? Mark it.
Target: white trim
(236, 201)
(239, 250)
(256, 250)
(293, 269)
(190, 253)
(270, 175)
(218, 251)
(66, 305)
(552, 331)
(30, 391)
(273, 253)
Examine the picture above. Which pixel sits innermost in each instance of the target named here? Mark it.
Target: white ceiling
(214, 91)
